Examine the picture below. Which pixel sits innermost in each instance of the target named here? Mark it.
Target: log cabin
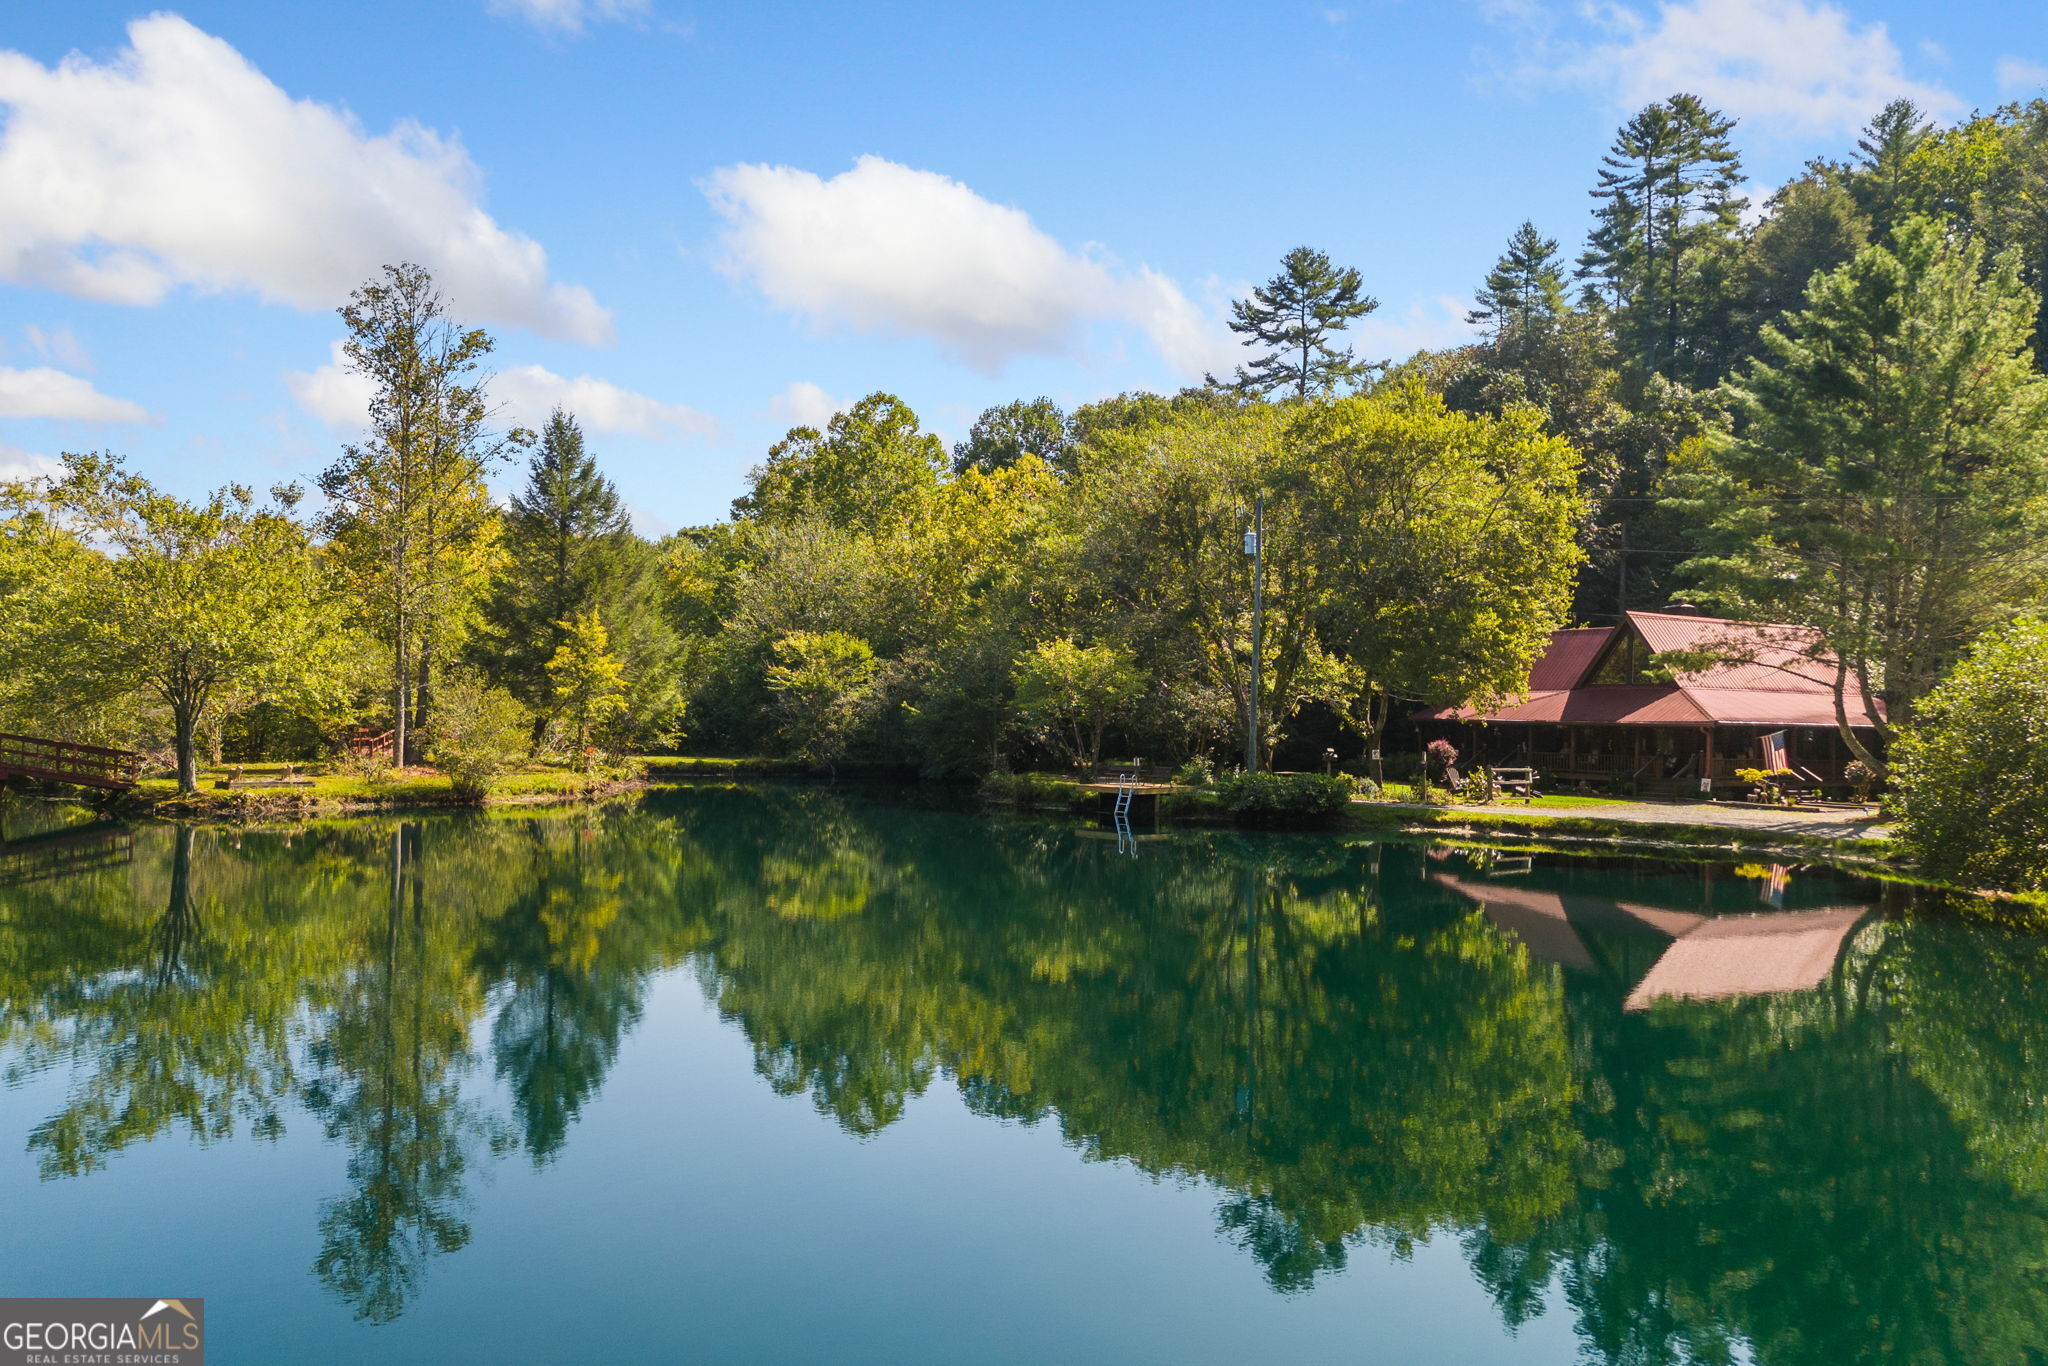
(1603, 712)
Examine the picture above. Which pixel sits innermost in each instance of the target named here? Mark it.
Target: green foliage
(1441, 545)
(1525, 288)
(1662, 251)
(824, 684)
(570, 551)
(586, 680)
(1003, 435)
(414, 533)
(1889, 482)
(1298, 313)
(872, 466)
(1970, 777)
(1285, 799)
(1069, 694)
(1038, 791)
(480, 733)
(198, 605)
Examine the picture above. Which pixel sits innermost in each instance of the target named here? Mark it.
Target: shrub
(478, 734)
(1765, 781)
(1285, 799)
(1442, 755)
(1861, 777)
(1199, 771)
(1970, 778)
(1035, 790)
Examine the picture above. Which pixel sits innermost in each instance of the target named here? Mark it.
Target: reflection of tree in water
(1349, 1054)
(571, 999)
(388, 1066)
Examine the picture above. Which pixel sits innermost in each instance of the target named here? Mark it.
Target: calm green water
(784, 1076)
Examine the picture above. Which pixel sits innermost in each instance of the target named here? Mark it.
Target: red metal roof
(1647, 705)
(1771, 675)
(1571, 653)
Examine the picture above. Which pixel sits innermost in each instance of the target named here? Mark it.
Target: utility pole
(1255, 546)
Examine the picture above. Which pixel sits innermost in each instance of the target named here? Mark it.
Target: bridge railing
(65, 761)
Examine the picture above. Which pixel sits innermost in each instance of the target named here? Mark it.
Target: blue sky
(696, 226)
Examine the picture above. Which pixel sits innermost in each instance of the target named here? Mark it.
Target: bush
(478, 734)
(1199, 771)
(1040, 791)
(1285, 799)
(1970, 779)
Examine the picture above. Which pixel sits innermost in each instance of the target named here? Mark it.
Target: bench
(1519, 781)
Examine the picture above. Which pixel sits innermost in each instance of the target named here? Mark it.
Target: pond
(786, 1075)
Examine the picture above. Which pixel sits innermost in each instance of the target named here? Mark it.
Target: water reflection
(1815, 1138)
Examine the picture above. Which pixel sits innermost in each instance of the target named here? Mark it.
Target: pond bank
(1854, 836)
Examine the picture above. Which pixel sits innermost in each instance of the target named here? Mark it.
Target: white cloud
(804, 404)
(17, 464)
(568, 16)
(43, 392)
(1789, 67)
(178, 163)
(1433, 324)
(333, 393)
(2018, 76)
(58, 344)
(524, 395)
(529, 393)
(887, 248)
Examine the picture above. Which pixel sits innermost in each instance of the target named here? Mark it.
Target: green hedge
(1285, 799)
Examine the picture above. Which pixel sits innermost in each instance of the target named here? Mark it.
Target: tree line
(1827, 408)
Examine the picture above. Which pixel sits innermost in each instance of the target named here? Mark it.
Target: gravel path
(1849, 824)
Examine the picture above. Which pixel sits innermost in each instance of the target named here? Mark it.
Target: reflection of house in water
(1657, 953)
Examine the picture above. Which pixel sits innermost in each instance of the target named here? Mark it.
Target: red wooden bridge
(60, 761)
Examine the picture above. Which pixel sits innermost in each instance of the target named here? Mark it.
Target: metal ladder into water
(1126, 838)
(1126, 788)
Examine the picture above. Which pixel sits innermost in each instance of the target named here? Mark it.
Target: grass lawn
(1405, 792)
(396, 787)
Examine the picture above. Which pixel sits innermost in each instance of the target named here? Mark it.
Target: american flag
(1774, 751)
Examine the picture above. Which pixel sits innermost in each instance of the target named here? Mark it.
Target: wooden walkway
(60, 761)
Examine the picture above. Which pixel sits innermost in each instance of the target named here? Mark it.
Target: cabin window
(1624, 661)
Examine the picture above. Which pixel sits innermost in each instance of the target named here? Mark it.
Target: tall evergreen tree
(574, 556)
(1882, 177)
(1669, 213)
(1298, 313)
(1524, 289)
(1889, 483)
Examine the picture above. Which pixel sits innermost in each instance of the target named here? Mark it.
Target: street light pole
(1255, 546)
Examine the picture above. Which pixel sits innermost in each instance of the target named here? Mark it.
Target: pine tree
(1524, 289)
(1880, 180)
(1668, 217)
(1298, 313)
(574, 555)
(1888, 485)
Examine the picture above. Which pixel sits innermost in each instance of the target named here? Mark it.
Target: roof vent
(1681, 609)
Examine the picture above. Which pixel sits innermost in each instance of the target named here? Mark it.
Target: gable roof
(1772, 675)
